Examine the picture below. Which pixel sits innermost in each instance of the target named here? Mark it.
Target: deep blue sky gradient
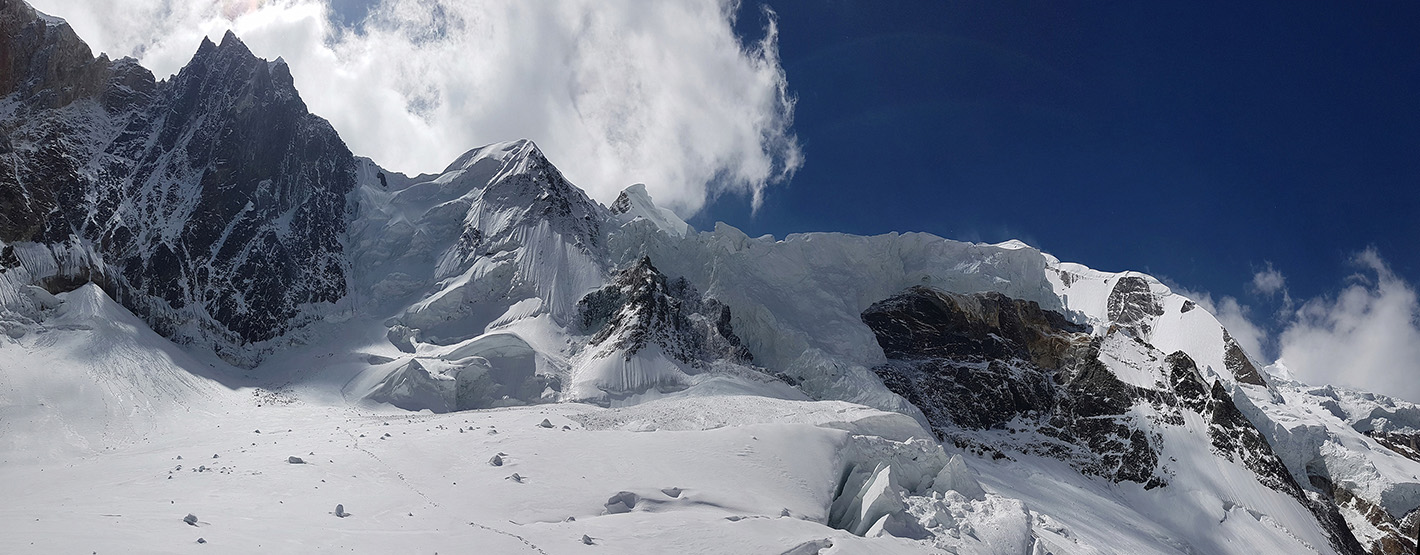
(1193, 141)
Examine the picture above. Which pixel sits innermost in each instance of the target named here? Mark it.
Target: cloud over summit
(1367, 336)
(615, 92)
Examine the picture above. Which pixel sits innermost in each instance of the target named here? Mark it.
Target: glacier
(198, 267)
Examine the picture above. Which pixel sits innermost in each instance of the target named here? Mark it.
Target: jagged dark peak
(230, 72)
(230, 40)
(43, 59)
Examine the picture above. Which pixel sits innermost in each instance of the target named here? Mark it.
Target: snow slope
(156, 440)
(653, 387)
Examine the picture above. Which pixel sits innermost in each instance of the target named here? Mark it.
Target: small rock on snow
(545, 423)
(496, 461)
(340, 510)
(190, 519)
(586, 539)
(200, 540)
(295, 460)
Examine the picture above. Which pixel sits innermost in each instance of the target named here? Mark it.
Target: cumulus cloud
(614, 91)
(1268, 281)
(1367, 337)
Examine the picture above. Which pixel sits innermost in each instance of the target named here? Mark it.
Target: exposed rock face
(1238, 364)
(1399, 534)
(1232, 435)
(621, 205)
(641, 307)
(251, 230)
(926, 323)
(44, 62)
(213, 203)
(53, 116)
(1000, 375)
(986, 362)
(1131, 305)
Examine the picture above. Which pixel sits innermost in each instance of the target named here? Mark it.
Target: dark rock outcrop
(641, 307)
(1239, 365)
(996, 374)
(1131, 305)
(988, 362)
(214, 201)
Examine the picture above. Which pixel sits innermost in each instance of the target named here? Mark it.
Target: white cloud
(614, 91)
(1269, 281)
(1367, 337)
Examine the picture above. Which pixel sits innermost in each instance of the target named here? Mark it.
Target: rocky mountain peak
(43, 60)
(215, 201)
(641, 307)
(531, 185)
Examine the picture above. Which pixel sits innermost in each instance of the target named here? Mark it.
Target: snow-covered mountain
(195, 264)
(211, 203)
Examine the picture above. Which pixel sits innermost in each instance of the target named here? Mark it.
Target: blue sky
(1196, 142)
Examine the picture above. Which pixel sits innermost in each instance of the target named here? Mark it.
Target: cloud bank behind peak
(614, 92)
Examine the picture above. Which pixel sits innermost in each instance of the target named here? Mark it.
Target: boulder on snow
(295, 460)
(340, 511)
(496, 461)
(622, 502)
(545, 423)
(586, 539)
(190, 519)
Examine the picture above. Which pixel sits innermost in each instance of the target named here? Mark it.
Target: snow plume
(1367, 337)
(614, 92)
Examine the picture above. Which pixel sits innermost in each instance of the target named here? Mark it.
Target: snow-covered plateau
(220, 331)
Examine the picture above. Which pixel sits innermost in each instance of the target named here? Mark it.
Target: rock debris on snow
(622, 502)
